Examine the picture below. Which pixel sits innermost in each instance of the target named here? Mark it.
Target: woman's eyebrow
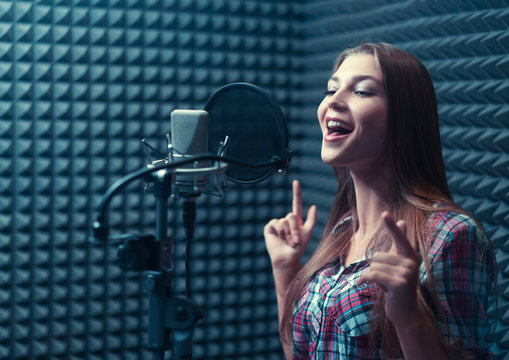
(357, 78)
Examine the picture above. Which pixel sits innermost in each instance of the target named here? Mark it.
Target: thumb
(402, 226)
(400, 243)
(310, 222)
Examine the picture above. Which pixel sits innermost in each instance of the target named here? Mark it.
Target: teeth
(336, 124)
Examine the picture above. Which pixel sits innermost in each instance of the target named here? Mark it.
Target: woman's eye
(363, 93)
(329, 92)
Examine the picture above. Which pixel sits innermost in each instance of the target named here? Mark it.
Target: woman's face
(353, 115)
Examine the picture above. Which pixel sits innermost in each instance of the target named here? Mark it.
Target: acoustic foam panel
(81, 83)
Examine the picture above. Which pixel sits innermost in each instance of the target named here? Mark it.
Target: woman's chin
(331, 160)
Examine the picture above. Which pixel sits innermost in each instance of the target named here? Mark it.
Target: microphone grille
(190, 131)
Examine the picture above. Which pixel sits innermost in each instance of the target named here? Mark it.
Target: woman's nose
(336, 101)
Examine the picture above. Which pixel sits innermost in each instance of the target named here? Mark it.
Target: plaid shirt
(332, 317)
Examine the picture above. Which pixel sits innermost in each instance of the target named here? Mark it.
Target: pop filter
(255, 125)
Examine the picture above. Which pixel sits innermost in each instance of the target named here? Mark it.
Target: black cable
(100, 226)
(189, 217)
(141, 173)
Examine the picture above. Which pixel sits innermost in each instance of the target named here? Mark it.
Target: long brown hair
(413, 139)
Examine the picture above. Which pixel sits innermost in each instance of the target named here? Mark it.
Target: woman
(416, 288)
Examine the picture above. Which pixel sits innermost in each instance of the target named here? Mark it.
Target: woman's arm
(420, 340)
(282, 279)
(397, 274)
(286, 240)
(462, 263)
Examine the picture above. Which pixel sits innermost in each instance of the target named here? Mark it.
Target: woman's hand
(397, 273)
(286, 239)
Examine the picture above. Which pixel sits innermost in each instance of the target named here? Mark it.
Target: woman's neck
(373, 194)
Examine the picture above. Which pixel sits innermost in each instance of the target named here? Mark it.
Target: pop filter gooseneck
(255, 125)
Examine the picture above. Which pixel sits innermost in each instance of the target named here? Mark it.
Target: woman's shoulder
(448, 228)
(453, 221)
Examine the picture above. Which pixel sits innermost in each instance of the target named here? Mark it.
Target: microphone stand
(167, 312)
(171, 319)
(159, 283)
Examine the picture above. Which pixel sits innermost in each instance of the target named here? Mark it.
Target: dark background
(82, 82)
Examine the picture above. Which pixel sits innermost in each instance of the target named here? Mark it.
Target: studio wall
(81, 84)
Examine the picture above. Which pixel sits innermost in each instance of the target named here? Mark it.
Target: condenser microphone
(189, 137)
(190, 131)
(246, 142)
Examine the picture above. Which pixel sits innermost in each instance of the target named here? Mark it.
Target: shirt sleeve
(302, 324)
(462, 262)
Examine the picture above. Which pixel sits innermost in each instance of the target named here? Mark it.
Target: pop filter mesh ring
(254, 121)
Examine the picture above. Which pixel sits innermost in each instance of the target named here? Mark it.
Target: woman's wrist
(415, 320)
(284, 275)
(286, 269)
(418, 337)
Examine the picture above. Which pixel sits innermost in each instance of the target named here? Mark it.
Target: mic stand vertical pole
(159, 283)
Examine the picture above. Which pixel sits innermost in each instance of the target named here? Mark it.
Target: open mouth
(338, 128)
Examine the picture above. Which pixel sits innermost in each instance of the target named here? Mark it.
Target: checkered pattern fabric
(332, 318)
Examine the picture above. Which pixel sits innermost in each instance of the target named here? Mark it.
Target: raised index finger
(297, 200)
(399, 238)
